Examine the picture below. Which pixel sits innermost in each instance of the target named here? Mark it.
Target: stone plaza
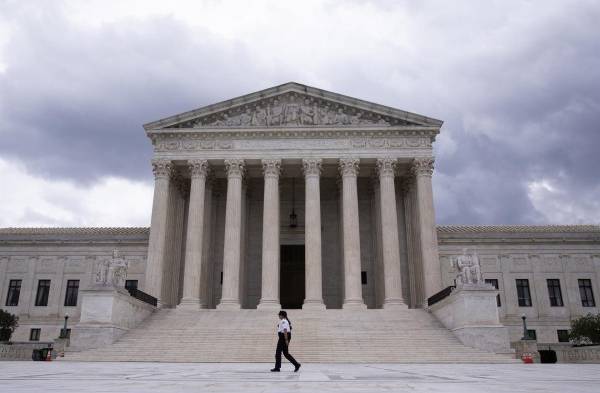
(298, 198)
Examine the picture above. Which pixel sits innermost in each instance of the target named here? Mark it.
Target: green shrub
(585, 329)
(8, 324)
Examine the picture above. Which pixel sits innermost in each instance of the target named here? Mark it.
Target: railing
(444, 293)
(143, 296)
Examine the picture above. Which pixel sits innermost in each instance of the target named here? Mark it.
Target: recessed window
(71, 294)
(34, 334)
(363, 278)
(523, 293)
(494, 283)
(531, 334)
(14, 290)
(43, 291)
(221, 282)
(554, 292)
(131, 284)
(563, 335)
(586, 292)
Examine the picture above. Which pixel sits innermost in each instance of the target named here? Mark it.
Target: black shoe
(297, 368)
(274, 370)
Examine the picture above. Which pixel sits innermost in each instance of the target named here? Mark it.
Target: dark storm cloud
(518, 88)
(73, 101)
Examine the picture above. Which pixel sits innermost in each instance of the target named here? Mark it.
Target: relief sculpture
(289, 110)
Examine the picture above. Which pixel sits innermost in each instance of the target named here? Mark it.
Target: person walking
(284, 331)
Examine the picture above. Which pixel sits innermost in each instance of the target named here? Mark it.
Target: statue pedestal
(106, 314)
(471, 313)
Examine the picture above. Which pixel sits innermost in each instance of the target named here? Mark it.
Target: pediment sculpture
(291, 110)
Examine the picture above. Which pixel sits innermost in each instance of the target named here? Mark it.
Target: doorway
(291, 276)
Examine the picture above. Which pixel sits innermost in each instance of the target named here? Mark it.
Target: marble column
(270, 246)
(352, 264)
(230, 295)
(422, 169)
(158, 228)
(389, 233)
(195, 236)
(312, 233)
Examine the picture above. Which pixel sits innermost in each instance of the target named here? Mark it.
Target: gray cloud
(519, 91)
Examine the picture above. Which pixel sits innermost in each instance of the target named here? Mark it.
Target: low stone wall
(24, 350)
(568, 354)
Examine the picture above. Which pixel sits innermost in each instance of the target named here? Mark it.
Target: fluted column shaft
(270, 246)
(230, 295)
(312, 228)
(195, 236)
(352, 264)
(389, 233)
(422, 169)
(158, 228)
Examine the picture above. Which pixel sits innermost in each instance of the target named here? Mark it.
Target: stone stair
(331, 336)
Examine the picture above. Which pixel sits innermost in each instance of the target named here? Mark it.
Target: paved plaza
(62, 376)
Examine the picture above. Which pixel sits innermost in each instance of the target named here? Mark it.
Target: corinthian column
(312, 233)
(195, 236)
(230, 296)
(270, 247)
(162, 170)
(422, 169)
(389, 233)
(352, 268)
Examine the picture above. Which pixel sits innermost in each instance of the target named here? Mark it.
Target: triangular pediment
(293, 105)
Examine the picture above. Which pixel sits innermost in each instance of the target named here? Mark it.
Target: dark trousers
(281, 347)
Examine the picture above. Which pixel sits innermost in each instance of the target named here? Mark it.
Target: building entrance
(291, 276)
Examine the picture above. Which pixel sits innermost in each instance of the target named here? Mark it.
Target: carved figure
(275, 114)
(259, 118)
(307, 113)
(246, 117)
(340, 117)
(292, 112)
(469, 269)
(101, 276)
(118, 270)
(324, 118)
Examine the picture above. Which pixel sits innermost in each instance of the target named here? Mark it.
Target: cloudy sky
(516, 82)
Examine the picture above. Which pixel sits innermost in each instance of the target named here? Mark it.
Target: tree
(585, 329)
(8, 324)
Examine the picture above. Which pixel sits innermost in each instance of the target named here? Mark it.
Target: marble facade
(357, 177)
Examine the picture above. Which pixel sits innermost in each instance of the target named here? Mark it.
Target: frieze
(291, 110)
(189, 144)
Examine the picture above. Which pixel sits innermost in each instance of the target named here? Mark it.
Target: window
(531, 334)
(587, 295)
(523, 293)
(43, 291)
(64, 334)
(34, 334)
(71, 295)
(14, 290)
(554, 292)
(131, 284)
(363, 278)
(221, 282)
(563, 336)
(494, 283)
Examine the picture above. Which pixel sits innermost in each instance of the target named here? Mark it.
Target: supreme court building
(294, 197)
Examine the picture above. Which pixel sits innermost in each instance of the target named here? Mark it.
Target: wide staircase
(338, 336)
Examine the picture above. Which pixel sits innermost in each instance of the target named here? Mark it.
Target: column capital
(422, 166)
(349, 167)
(386, 167)
(162, 168)
(271, 168)
(311, 166)
(235, 168)
(198, 168)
